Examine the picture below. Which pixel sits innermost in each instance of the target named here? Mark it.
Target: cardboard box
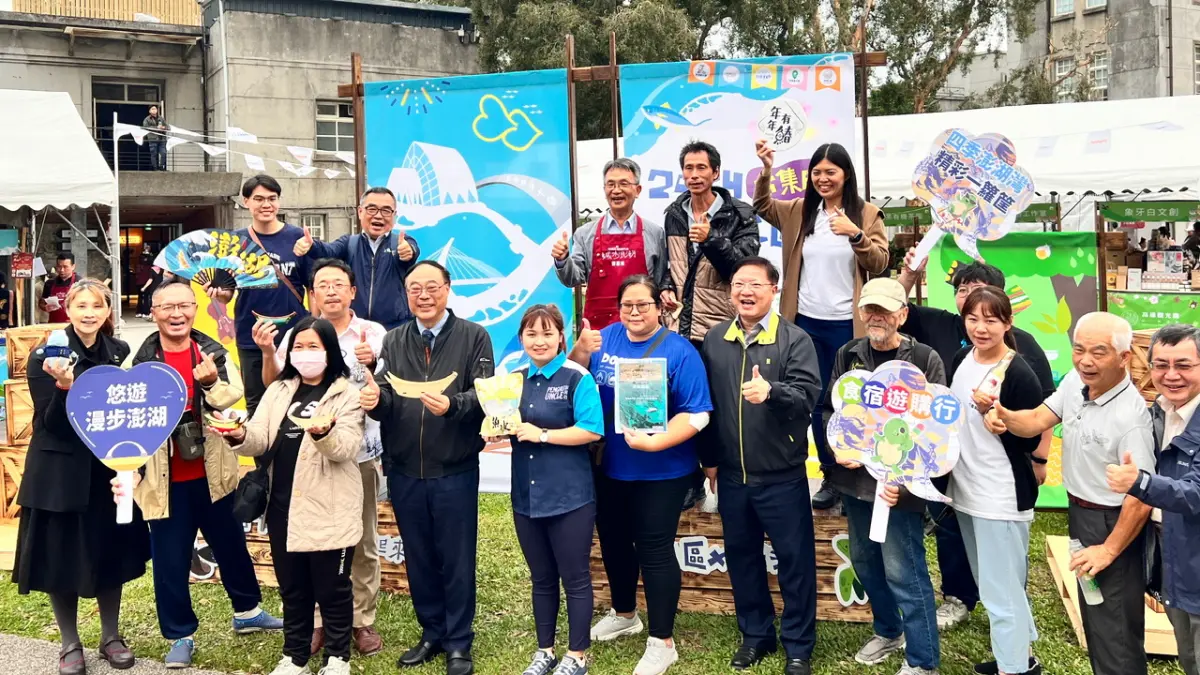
(1122, 276)
(1115, 241)
(1196, 280)
(1114, 259)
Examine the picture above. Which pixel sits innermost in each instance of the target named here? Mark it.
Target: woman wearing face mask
(69, 543)
(642, 479)
(308, 428)
(554, 503)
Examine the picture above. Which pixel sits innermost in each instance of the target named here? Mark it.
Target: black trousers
(1116, 628)
(636, 522)
(781, 511)
(250, 362)
(559, 547)
(306, 579)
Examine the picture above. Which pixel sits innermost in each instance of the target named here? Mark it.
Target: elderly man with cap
(893, 573)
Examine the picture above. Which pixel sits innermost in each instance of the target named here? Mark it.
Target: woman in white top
(993, 487)
(833, 242)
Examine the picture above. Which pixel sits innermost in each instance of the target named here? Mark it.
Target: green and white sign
(1152, 309)
(1155, 212)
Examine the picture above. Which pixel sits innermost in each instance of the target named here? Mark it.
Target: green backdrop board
(1155, 309)
(1051, 279)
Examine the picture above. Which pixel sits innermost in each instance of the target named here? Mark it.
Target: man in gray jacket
(614, 248)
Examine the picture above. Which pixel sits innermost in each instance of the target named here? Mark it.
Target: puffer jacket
(701, 281)
(379, 274)
(326, 507)
(153, 494)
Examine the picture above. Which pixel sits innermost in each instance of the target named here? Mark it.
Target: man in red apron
(54, 291)
(618, 246)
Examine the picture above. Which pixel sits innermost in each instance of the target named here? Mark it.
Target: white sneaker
(913, 670)
(612, 626)
(335, 666)
(878, 649)
(951, 613)
(286, 667)
(657, 658)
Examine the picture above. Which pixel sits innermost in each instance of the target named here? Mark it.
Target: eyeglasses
(623, 185)
(172, 308)
(1164, 366)
(259, 199)
(641, 307)
(385, 211)
(417, 290)
(742, 285)
(338, 287)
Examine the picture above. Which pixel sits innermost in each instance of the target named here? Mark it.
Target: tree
(895, 98)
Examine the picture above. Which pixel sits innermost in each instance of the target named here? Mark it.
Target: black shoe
(458, 662)
(798, 667)
(990, 668)
(826, 497)
(747, 656)
(424, 652)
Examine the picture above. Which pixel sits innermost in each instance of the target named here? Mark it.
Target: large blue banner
(479, 165)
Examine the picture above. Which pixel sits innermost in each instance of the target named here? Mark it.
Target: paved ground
(26, 656)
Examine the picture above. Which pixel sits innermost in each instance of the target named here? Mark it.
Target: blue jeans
(957, 580)
(896, 579)
(999, 553)
(828, 337)
(158, 155)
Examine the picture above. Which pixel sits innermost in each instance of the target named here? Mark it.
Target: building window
(1196, 65)
(1098, 76)
(1064, 7)
(1094, 4)
(335, 126)
(1063, 71)
(314, 224)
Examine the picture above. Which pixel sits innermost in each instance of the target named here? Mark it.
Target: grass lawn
(504, 624)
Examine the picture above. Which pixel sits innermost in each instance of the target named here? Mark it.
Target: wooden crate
(21, 343)
(18, 409)
(12, 467)
(1160, 637)
(1139, 364)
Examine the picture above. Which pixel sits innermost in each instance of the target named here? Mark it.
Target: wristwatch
(545, 437)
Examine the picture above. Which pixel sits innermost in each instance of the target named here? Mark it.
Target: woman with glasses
(69, 544)
(308, 429)
(642, 479)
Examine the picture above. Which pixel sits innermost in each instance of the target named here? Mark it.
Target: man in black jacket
(430, 426)
(893, 573)
(708, 233)
(762, 373)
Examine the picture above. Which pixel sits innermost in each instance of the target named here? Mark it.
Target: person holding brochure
(554, 502)
(642, 479)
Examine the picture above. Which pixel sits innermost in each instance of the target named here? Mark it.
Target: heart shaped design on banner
(124, 416)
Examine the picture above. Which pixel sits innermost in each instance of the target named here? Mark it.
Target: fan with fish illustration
(220, 259)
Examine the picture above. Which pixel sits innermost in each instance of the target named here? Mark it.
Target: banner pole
(1101, 267)
(572, 140)
(615, 88)
(360, 127)
(862, 48)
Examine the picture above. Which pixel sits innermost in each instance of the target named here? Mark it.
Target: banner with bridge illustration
(796, 103)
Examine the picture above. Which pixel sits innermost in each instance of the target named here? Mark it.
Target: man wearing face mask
(379, 256)
(333, 288)
(424, 393)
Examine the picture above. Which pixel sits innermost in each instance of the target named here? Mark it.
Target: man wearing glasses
(618, 246)
(431, 419)
(333, 294)
(381, 255)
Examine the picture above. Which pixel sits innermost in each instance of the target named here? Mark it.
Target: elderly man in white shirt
(1104, 419)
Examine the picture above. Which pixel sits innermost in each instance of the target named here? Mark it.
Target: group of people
(387, 373)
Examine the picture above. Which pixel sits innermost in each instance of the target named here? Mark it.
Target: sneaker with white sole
(570, 666)
(913, 670)
(286, 667)
(613, 626)
(335, 666)
(878, 649)
(951, 612)
(657, 658)
(180, 655)
(542, 663)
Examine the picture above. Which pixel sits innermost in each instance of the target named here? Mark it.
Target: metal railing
(186, 157)
(180, 12)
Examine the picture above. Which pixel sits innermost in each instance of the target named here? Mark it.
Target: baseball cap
(885, 293)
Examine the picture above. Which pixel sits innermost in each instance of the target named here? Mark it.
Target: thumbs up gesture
(363, 351)
(561, 248)
(303, 245)
(205, 372)
(1122, 477)
(368, 396)
(757, 389)
(404, 250)
(589, 339)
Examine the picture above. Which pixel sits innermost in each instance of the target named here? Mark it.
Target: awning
(47, 155)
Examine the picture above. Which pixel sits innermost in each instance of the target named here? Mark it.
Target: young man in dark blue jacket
(381, 255)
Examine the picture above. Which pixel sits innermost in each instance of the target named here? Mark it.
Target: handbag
(250, 497)
(1152, 561)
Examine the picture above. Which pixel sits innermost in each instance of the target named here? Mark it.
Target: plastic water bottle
(1087, 583)
(58, 349)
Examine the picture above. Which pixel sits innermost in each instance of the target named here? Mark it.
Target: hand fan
(222, 258)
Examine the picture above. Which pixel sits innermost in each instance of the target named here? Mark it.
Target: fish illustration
(668, 118)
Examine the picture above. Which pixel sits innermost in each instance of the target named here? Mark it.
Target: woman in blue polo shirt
(641, 480)
(554, 503)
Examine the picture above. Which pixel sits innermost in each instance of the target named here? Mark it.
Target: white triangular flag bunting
(121, 129)
(1045, 146)
(211, 150)
(172, 142)
(184, 132)
(303, 155)
(255, 162)
(1098, 142)
(332, 173)
(305, 170)
(286, 166)
(351, 172)
(346, 156)
(240, 135)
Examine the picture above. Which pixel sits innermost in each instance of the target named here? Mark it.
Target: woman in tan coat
(833, 242)
(309, 428)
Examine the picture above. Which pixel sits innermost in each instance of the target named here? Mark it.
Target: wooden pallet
(1160, 637)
